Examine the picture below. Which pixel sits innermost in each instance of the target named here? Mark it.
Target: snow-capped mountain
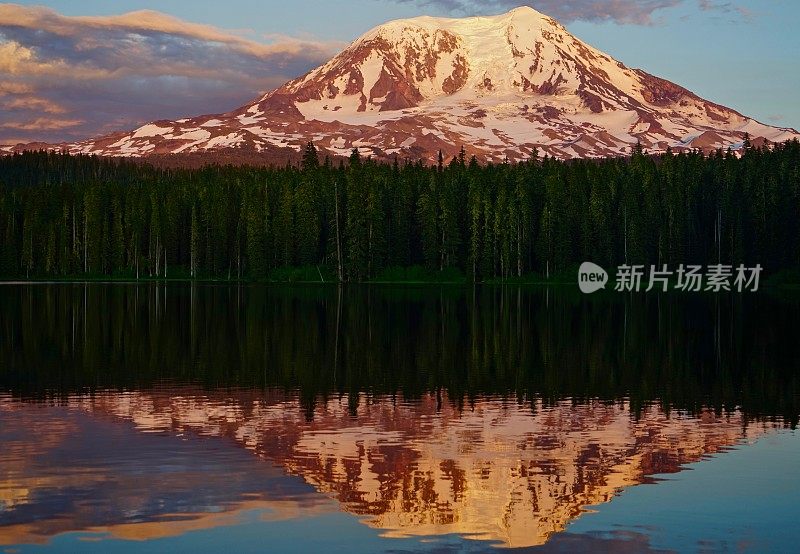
(499, 86)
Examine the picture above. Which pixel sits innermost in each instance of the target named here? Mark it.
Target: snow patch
(195, 134)
(249, 120)
(150, 130)
(371, 71)
(229, 140)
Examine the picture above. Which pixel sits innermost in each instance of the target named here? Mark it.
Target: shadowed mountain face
(499, 86)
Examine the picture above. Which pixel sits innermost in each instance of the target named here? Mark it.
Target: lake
(213, 417)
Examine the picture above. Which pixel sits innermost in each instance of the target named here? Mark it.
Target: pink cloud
(131, 68)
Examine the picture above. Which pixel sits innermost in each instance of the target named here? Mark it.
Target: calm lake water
(376, 419)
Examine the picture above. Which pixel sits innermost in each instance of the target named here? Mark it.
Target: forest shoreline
(774, 283)
(80, 218)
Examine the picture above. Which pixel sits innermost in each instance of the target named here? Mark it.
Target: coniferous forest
(80, 216)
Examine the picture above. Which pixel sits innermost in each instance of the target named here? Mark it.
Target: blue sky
(105, 74)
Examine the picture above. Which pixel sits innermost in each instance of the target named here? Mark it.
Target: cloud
(111, 73)
(41, 123)
(32, 103)
(11, 87)
(727, 8)
(636, 12)
(620, 11)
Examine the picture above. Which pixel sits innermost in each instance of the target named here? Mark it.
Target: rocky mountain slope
(499, 86)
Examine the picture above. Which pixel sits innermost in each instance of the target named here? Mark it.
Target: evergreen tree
(63, 215)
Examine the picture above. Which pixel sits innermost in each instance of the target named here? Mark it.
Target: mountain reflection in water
(495, 471)
(148, 412)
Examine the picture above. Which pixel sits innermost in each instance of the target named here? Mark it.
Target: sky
(71, 70)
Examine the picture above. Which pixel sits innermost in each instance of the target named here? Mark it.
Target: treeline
(69, 216)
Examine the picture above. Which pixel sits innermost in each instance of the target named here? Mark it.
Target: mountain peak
(528, 13)
(424, 58)
(523, 15)
(501, 86)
